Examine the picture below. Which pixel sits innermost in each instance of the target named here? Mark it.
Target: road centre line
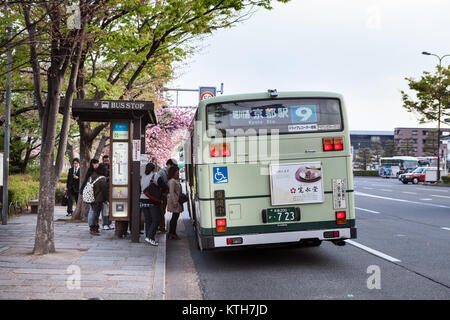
(408, 192)
(387, 190)
(445, 228)
(371, 211)
(372, 251)
(357, 193)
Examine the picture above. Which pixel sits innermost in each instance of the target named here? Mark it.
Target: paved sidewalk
(108, 268)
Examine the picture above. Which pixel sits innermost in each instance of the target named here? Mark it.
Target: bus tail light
(338, 144)
(333, 144)
(234, 241)
(341, 217)
(221, 225)
(327, 144)
(219, 150)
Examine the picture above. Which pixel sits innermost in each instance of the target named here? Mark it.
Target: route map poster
(296, 183)
(120, 163)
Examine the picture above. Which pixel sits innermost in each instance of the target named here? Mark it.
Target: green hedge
(25, 187)
(366, 173)
(446, 179)
(22, 188)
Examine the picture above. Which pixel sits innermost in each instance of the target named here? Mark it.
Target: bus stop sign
(207, 93)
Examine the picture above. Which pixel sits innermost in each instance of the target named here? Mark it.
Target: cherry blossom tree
(163, 138)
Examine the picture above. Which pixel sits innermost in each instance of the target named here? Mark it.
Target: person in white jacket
(151, 209)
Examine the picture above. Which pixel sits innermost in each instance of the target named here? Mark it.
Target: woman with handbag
(173, 201)
(150, 207)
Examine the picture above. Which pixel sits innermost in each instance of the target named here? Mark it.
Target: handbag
(65, 200)
(183, 198)
(153, 192)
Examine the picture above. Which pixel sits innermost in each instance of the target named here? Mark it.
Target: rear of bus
(273, 168)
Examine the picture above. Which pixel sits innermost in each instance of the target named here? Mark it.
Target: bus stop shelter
(129, 120)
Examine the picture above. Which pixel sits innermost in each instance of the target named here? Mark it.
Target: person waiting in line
(107, 224)
(101, 194)
(151, 209)
(93, 164)
(163, 174)
(173, 201)
(73, 185)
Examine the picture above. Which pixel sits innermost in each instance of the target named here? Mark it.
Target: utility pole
(5, 207)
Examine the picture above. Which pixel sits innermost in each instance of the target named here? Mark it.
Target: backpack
(88, 191)
(153, 192)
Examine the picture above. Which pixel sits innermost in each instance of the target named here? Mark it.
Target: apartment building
(418, 137)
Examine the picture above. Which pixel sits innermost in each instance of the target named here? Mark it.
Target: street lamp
(439, 115)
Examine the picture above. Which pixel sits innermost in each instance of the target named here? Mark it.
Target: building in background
(365, 139)
(418, 138)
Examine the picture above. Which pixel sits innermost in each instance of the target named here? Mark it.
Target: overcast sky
(362, 49)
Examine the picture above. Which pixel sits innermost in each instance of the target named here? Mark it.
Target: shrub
(22, 188)
(366, 173)
(446, 179)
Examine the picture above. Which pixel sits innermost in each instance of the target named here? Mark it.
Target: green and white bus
(270, 168)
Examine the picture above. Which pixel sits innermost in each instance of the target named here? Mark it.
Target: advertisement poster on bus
(296, 183)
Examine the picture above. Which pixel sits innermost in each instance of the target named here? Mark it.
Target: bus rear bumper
(279, 237)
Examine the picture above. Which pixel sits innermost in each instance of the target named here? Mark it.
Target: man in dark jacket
(73, 184)
(101, 194)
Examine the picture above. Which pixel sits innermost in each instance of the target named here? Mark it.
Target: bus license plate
(281, 215)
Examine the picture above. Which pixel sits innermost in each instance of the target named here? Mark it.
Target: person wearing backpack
(150, 204)
(96, 191)
(173, 201)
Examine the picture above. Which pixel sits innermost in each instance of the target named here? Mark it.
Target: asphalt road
(402, 252)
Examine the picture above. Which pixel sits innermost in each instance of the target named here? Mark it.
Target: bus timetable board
(120, 173)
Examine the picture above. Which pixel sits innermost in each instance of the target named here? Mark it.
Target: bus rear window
(287, 116)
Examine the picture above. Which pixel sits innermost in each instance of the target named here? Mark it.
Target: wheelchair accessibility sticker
(220, 174)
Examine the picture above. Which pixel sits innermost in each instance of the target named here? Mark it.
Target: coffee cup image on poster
(296, 183)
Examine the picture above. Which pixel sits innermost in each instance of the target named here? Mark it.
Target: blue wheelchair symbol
(220, 174)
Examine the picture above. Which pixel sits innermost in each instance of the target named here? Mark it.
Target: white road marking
(357, 193)
(407, 192)
(445, 228)
(371, 211)
(372, 251)
(435, 195)
(426, 199)
(434, 189)
(368, 188)
(388, 190)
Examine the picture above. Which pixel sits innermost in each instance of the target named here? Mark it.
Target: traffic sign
(207, 93)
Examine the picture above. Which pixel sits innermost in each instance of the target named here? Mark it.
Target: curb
(159, 279)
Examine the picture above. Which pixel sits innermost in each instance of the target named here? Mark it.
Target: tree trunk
(44, 239)
(100, 147)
